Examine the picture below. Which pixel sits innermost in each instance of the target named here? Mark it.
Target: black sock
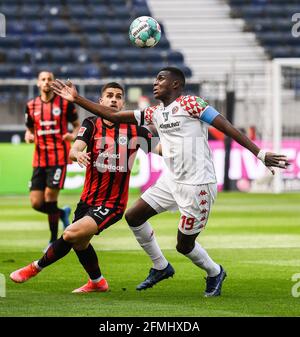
(56, 251)
(50, 207)
(53, 219)
(89, 260)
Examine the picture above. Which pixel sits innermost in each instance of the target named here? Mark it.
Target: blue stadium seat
(15, 27)
(37, 27)
(10, 42)
(109, 55)
(115, 26)
(118, 40)
(91, 26)
(116, 70)
(57, 26)
(10, 12)
(81, 56)
(79, 12)
(25, 71)
(6, 71)
(48, 41)
(92, 70)
(174, 56)
(30, 12)
(69, 71)
(99, 12)
(60, 56)
(95, 41)
(79, 38)
(39, 55)
(16, 56)
(72, 41)
(137, 70)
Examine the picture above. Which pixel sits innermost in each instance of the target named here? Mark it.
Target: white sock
(36, 264)
(145, 237)
(201, 259)
(97, 279)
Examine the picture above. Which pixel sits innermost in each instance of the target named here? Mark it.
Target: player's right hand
(83, 158)
(29, 137)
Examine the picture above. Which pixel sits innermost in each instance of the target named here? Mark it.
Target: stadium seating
(272, 22)
(78, 38)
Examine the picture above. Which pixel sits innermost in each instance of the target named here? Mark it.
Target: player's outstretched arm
(268, 158)
(69, 92)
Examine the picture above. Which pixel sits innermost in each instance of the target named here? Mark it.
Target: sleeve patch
(149, 114)
(194, 105)
(81, 131)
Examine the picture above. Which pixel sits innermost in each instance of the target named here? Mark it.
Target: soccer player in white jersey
(190, 183)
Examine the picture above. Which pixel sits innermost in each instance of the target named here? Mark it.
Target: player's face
(113, 98)
(44, 81)
(162, 85)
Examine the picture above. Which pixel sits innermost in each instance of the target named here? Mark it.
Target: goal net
(283, 108)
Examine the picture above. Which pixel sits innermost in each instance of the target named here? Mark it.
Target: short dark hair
(177, 74)
(112, 85)
(45, 71)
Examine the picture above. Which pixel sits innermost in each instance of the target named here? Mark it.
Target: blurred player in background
(111, 149)
(190, 182)
(47, 117)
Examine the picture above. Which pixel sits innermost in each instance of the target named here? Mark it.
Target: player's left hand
(68, 137)
(271, 160)
(66, 90)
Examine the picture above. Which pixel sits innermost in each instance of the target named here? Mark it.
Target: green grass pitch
(255, 237)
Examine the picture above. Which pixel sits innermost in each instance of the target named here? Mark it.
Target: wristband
(261, 155)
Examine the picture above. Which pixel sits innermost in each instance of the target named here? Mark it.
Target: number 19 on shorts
(187, 223)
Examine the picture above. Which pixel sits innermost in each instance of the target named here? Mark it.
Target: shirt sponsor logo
(168, 127)
(47, 123)
(48, 132)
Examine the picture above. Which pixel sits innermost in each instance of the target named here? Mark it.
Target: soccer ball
(144, 32)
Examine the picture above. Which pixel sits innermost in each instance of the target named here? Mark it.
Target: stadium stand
(272, 23)
(81, 38)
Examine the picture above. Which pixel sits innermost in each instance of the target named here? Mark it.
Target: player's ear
(100, 100)
(176, 84)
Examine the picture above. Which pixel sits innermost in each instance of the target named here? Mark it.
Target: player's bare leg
(136, 218)
(188, 246)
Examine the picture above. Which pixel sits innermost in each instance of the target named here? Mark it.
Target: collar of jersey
(161, 106)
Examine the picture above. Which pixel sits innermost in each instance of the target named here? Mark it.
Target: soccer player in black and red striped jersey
(108, 151)
(47, 117)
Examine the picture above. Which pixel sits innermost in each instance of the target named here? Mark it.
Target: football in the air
(144, 32)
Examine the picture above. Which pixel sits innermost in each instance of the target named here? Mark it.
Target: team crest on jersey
(81, 131)
(174, 110)
(122, 140)
(56, 111)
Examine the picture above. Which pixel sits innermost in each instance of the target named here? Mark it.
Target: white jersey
(184, 138)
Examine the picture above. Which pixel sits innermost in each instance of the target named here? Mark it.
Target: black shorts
(51, 176)
(103, 216)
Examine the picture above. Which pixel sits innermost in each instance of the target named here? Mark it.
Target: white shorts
(193, 201)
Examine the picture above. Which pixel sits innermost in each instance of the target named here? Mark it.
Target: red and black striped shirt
(113, 150)
(50, 122)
